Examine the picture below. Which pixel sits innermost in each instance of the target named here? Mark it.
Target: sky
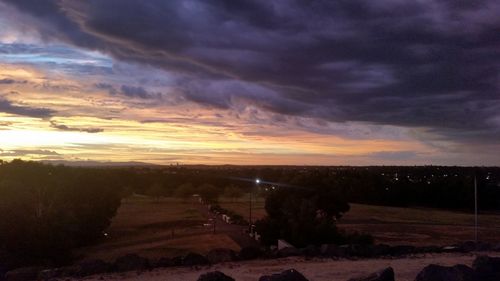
(285, 82)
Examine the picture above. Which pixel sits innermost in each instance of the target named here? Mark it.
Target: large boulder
(250, 253)
(221, 255)
(358, 250)
(288, 252)
(192, 259)
(386, 274)
(130, 262)
(487, 268)
(429, 249)
(310, 251)
(162, 262)
(381, 250)
(332, 250)
(467, 246)
(287, 275)
(435, 272)
(92, 267)
(23, 274)
(215, 276)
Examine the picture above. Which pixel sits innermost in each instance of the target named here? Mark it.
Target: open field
(393, 225)
(170, 227)
(150, 228)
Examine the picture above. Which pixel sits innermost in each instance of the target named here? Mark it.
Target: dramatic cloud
(341, 68)
(63, 127)
(7, 107)
(427, 63)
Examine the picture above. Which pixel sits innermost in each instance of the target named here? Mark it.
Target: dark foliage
(45, 211)
(302, 216)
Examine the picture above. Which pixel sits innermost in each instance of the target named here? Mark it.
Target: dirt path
(406, 269)
(236, 232)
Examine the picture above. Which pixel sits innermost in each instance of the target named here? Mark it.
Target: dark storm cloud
(431, 63)
(7, 107)
(134, 92)
(63, 127)
(129, 91)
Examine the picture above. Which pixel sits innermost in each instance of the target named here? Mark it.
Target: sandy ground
(314, 269)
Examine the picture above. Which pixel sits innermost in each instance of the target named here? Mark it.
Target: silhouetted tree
(209, 193)
(302, 216)
(185, 191)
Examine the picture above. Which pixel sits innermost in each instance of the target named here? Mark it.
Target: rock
(194, 259)
(310, 251)
(215, 276)
(450, 249)
(130, 262)
(429, 249)
(176, 261)
(249, 253)
(487, 268)
(163, 262)
(467, 246)
(92, 267)
(484, 246)
(386, 274)
(221, 255)
(287, 275)
(332, 250)
(381, 250)
(402, 250)
(361, 250)
(446, 273)
(23, 274)
(288, 252)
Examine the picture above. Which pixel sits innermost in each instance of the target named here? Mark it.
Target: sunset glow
(83, 93)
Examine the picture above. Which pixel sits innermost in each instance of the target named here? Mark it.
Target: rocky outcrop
(221, 255)
(193, 259)
(215, 276)
(288, 252)
(487, 268)
(287, 275)
(130, 262)
(386, 274)
(435, 272)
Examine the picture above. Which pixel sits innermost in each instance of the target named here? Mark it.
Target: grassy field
(392, 225)
(167, 227)
(170, 227)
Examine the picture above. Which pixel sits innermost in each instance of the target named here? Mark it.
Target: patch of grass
(157, 228)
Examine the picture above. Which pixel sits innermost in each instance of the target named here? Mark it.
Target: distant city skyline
(251, 82)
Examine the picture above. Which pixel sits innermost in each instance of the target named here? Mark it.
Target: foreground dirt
(314, 269)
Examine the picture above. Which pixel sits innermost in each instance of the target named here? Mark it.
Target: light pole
(257, 181)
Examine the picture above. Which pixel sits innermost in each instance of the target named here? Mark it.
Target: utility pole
(250, 214)
(475, 209)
